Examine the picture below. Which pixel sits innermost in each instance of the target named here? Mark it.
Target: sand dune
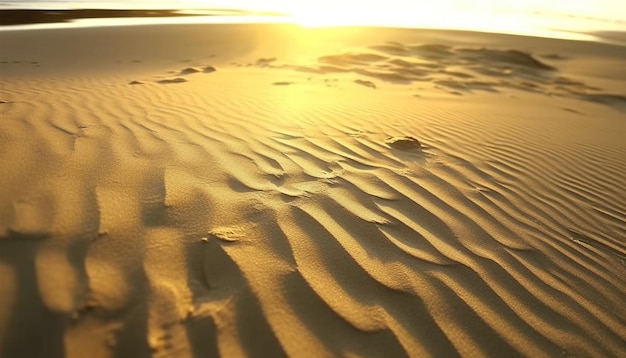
(243, 198)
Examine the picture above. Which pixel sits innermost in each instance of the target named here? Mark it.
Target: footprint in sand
(369, 84)
(265, 62)
(172, 80)
(572, 110)
(226, 233)
(192, 70)
(136, 83)
(405, 143)
(282, 83)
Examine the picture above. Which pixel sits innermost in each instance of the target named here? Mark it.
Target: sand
(269, 190)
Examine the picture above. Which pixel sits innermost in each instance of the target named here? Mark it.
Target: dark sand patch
(351, 58)
(461, 69)
(264, 62)
(189, 71)
(172, 80)
(509, 57)
(365, 83)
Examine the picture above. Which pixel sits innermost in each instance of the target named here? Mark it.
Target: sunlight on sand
(268, 190)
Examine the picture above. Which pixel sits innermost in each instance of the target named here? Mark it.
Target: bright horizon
(555, 18)
(609, 9)
(606, 9)
(441, 14)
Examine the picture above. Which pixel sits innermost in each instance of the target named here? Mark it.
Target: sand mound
(404, 143)
(189, 71)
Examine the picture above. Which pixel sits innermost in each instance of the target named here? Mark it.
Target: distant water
(545, 18)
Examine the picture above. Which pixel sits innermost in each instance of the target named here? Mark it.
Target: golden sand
(268, 190)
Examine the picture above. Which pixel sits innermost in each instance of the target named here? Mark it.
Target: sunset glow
(488, 15)
(329, 13)
(347, 12)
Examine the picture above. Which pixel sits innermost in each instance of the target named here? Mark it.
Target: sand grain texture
(165, 208)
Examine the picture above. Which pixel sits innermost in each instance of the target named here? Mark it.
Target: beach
(272, 190)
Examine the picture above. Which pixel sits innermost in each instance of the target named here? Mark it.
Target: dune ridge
(205, 217)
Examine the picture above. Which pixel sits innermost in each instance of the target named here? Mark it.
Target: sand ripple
(205, 217)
